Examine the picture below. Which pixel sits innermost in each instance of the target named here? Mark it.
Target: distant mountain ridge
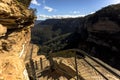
(37, 22)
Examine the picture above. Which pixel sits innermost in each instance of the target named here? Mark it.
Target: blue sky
(68, 8)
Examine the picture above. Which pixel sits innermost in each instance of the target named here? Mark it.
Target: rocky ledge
(16, 21)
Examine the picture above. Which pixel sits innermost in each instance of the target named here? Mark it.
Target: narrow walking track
(65, 68)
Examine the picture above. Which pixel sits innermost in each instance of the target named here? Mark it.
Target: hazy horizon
(47, 9)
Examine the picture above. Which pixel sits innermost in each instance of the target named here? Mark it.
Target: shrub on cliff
(25, 2)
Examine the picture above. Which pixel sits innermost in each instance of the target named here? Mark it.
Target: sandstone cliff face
(15, 23)
(104, 34)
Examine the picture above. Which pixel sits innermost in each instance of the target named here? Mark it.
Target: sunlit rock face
(3, 30)
(16, 21)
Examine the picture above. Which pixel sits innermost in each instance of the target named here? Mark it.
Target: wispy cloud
(42, 16)
(35, 2)
(92, 12)
(75, 12)
(115, 1)
(49, 9)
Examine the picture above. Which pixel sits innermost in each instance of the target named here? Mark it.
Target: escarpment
(16, 21)
(104, 34)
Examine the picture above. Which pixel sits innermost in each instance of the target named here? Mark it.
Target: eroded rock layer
(15, 23)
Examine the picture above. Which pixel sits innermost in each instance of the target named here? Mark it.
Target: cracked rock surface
(16, 21)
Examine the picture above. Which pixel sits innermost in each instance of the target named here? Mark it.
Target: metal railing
(50, 62)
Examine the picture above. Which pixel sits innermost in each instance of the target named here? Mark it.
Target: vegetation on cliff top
(25, 2)
(111, 13)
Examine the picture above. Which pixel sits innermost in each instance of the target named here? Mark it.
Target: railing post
(41, 65)
(76, 67)
(36, 66)
(33, 69)
(50, 58)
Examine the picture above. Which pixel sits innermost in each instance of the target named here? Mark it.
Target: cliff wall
(16, 21)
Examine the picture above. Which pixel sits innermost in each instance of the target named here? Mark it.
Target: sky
(68, 8)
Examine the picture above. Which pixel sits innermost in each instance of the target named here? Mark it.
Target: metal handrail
(84, 53)
(113, 72)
